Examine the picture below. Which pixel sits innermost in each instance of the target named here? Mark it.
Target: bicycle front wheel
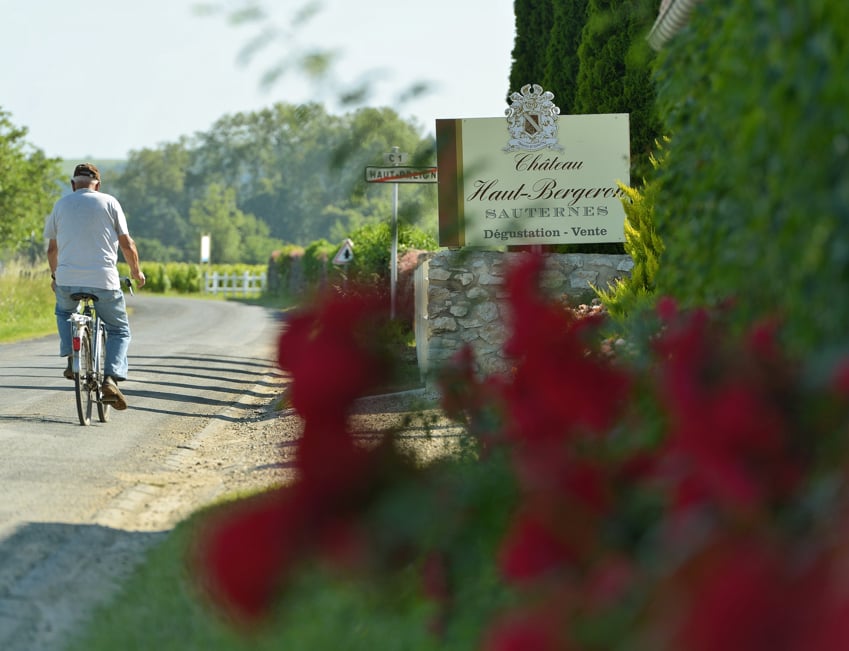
(103, 408)
(84, 380)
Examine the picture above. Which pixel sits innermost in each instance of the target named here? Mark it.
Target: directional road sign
(404, 174)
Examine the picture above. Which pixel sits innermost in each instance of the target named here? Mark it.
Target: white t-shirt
(86, 226)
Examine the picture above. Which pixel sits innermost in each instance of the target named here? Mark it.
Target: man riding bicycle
(84, 232)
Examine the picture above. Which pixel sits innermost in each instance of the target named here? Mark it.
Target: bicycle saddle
(82, 296)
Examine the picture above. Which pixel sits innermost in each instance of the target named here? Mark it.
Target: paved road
(63, 486)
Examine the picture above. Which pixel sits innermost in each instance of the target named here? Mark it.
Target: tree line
(286, 174)
(29, 184)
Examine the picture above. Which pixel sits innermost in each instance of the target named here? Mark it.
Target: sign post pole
(396, 172)
(393, 257)
(395, 157)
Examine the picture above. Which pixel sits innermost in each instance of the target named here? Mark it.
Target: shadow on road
(204, 386)
(52, 575)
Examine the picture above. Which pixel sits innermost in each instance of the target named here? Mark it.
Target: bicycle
(88, 338)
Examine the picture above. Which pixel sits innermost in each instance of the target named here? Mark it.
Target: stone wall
(460, 299)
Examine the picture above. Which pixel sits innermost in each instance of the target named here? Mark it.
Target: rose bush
(689, 496)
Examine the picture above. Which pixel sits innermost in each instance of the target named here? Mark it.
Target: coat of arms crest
(532, 120)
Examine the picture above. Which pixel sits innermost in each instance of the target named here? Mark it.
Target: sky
(95, 81)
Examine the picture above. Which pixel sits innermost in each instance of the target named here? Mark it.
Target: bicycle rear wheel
(83, 380)
(103, 408)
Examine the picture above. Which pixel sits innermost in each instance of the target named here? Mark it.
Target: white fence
(243, 284)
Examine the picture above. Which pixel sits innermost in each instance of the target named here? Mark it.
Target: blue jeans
(112, 311)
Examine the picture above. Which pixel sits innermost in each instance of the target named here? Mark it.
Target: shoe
(112, 394)
(69, 370)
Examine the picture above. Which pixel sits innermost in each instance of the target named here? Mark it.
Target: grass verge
(26, 304)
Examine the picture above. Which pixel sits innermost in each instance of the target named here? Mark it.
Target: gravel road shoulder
(255, 449)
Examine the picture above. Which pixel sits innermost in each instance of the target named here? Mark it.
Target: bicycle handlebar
(127, 282)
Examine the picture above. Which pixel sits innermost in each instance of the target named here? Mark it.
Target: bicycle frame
(79, 330)
(88, 338)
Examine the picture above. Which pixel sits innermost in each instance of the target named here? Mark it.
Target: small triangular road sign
(345, 254)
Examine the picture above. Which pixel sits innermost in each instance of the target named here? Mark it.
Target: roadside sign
(345, 254)
(395, 157)
(405, 174)
(204, 248)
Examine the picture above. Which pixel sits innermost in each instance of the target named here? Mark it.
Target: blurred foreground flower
(245, 554)
(696, 502)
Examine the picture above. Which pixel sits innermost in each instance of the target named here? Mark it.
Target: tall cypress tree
(533, 28)
(602, 51)
(562, 63)
(615, 72)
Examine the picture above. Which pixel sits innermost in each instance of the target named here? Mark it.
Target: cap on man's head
(87, 169)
